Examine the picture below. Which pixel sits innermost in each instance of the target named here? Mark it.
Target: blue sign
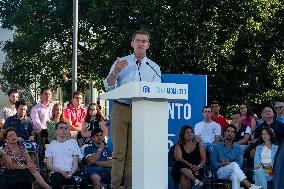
(186, 112)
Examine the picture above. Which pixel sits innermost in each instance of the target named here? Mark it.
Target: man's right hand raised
(120, 65)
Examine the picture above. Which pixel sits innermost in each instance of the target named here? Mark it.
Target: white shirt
(8, 111)
(62, 153)
(207, 131)
(265, 155)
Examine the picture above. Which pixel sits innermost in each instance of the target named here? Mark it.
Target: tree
(238, 44)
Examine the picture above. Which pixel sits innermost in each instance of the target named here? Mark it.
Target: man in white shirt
(62, 159)
(207, 131)
(10, 109)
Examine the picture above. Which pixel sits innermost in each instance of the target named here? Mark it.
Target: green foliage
(238, 44)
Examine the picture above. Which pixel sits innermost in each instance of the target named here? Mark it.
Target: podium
(150, 111)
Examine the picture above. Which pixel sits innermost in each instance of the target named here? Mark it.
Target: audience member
(243, 132)
(247, 117)
(98, 158)
(227, 159)
(56, 116)
(190, 158)
(1, 132)
(3, 182)
(94, 119)
(264, 158)
(16, 158)
(75, 113)
(22, 125)
(270, 122)
(279, 108)
(260, 121)
(278, 167)
(62, 158)
(10, 109)
(41, 113)
(216, 117)
(207, 131)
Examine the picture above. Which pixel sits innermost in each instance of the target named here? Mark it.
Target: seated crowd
(71, 142)
(242, 152)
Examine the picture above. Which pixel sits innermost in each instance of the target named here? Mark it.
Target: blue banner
(186, 112)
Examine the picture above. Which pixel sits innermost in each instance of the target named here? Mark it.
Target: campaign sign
(163, 90)
(181, 112)
(186, 112)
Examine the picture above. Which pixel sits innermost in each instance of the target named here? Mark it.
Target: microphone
(154, 71)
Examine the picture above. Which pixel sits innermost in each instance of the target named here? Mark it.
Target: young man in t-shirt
(98, 158)
(62, 158)
(207, 131)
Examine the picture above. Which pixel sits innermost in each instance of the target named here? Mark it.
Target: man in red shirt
(75, 113)
(216, 117)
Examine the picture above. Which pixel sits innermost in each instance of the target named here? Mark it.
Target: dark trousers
(18, 186)
(57, 180)
(3, 184)
(41, 140)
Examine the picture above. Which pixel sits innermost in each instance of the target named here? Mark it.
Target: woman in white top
(264, 158)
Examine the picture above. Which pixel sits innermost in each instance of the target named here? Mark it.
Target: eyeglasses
(279, 107)
(141, 41)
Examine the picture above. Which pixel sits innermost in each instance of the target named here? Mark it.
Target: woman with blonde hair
(57, 116)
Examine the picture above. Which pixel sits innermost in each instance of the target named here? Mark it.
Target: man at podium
(132, 68)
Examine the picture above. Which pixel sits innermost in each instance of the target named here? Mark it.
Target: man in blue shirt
(98, 158)
(131, 68)
(21, 123)
(227, 158)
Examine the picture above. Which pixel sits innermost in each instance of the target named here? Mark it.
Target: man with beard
(226, 158)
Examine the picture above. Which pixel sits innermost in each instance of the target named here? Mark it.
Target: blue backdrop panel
(186, 111)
